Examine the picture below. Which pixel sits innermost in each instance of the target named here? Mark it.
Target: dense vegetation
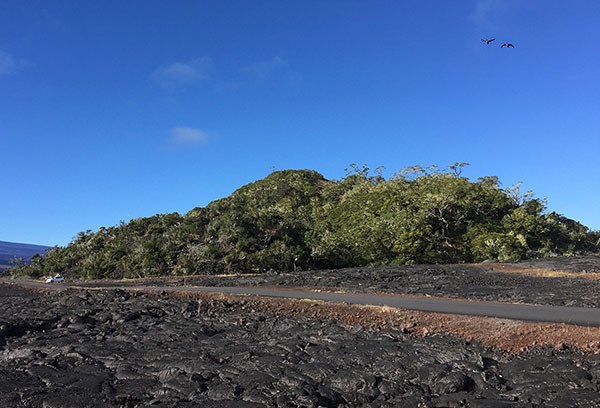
(297, 219)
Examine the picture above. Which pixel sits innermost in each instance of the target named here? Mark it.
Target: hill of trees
(296, 220)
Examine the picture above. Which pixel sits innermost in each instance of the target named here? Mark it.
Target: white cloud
(186, 136)
(184, 73)
(263, 69)
(10, 64)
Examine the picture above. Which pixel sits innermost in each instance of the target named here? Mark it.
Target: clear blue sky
(112, 110)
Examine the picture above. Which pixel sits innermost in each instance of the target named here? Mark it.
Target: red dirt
(511, 336)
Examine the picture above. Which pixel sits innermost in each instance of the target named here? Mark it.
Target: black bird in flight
(487, 41)
(507, 45)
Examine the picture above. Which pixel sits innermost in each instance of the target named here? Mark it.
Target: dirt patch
(540, 272)
(511, 336)
(577, 264)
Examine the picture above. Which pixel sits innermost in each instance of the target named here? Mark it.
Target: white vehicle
(55, 279)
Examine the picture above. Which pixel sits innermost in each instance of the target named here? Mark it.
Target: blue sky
(112, 110)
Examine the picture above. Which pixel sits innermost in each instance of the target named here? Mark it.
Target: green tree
(296, 219)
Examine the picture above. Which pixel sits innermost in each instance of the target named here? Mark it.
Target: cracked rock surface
(112, 348)
(489, 282)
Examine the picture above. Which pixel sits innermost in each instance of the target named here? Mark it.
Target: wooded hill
(298, 220)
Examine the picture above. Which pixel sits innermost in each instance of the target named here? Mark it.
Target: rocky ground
(560, 281)
(111, 348)
(579, 264)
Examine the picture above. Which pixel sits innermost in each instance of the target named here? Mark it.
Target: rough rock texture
(580, 264)
(517, 283)
(114, 348)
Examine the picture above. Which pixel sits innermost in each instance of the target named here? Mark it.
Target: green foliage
(420, 215)
(262, 225)
(296, 219)
(498, 246)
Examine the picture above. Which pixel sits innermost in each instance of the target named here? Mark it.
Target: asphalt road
(556, 314)
(536, 313)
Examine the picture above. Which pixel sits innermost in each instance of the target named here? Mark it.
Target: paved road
(571, 315)
(555, 314)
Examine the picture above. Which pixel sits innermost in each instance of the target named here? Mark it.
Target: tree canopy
(296, 219)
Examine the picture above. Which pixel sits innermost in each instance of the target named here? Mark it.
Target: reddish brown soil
(511, 336)
(538, 271)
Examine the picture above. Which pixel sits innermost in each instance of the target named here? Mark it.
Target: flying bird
(507, 45)
(487, 41)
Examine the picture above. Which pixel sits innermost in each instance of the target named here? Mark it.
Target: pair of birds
(507, 45)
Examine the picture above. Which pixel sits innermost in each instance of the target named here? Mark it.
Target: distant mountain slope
(11, 250)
